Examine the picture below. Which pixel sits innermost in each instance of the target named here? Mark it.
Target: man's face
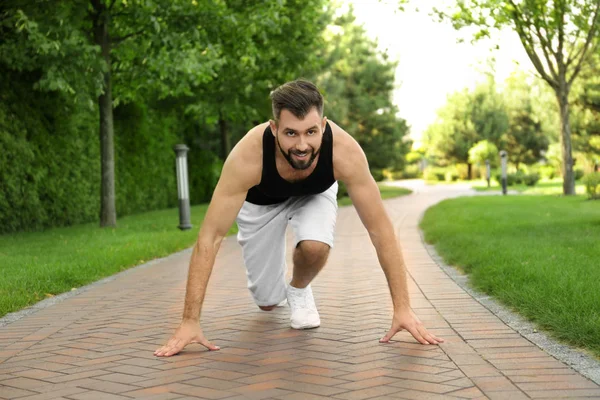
(299, 140)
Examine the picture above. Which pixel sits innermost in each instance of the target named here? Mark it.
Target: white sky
(431, 63)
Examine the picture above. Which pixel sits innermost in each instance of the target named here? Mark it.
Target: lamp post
(182, 186)
(503, 162)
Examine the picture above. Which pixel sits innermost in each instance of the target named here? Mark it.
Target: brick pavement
(99, 344)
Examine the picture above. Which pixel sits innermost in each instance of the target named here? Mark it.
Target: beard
(299, 164)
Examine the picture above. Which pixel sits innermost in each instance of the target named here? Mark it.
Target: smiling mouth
(300, 155)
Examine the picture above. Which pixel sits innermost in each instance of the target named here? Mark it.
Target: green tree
(467, 118)
(525, 140)
(558, 37)
(450, 137)
(488, 111)
(255, 62)
(484, 151)
(129, 48)
(586, 118)
(358, 82)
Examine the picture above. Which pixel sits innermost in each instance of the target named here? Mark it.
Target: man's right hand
(188, 332)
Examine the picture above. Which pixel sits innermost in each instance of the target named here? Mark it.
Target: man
(285, 171)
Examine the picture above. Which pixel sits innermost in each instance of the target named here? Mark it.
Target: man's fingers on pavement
(175, 348)
(414, 330)
(388, 336)
(167, 349)
(209, 345)
(428, 336)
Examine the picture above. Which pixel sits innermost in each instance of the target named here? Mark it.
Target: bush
(592, 185)
(519, 177)
(463, 171)
(578, 174)
(409, 172)
(435, 174)
(509, 179)
(548, 172)
(50, 159)
(431, 174)
(451, 176)
(49, 162)
(531, 179)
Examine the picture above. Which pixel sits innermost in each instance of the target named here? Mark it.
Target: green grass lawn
(41, 264)
(542, 187)
(387, 192)
(34, 266)
(540, 255)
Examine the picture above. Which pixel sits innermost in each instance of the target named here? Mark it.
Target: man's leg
(309, 258)
(313, 221)
(261, 233)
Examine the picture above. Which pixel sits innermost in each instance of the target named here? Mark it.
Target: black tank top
(273, 189)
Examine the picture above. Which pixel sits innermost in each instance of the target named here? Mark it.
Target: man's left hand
(406, 319)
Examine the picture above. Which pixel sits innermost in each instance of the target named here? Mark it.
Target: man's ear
(273, 126)
(324, 124)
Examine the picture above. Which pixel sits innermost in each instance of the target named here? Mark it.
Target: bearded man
(282, 172)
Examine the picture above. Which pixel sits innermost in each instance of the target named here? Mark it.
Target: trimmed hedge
(50, 159)
(592, 185)
(47, 160)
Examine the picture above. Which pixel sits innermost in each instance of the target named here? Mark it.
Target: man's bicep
(366, 199)
(228, 198)
(363, 189)
(222, 211)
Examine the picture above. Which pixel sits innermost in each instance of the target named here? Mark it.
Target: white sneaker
(304, 310)
(282, 303)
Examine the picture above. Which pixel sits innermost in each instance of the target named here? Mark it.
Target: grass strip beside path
(542, 187)
(37, 265)
(540, 255)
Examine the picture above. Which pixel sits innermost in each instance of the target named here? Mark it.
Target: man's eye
(312, 132)
(290, 133)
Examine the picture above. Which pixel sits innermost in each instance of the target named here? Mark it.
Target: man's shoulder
(343, 142)
(250, 146)
(346, 152)
(254, 136)
(246, 157)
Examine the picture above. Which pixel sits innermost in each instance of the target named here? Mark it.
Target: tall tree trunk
(562, 94)
(108, 213)
(469, 171)
(225, 140)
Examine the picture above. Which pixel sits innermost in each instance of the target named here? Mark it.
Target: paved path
(99, 344)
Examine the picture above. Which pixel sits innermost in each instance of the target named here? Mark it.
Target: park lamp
(503, 162)
(182, 186)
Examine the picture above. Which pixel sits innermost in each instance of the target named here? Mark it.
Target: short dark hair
(298, 97)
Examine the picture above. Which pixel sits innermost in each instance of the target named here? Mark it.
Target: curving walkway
(99, 343)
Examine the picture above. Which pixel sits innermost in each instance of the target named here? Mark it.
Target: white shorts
(261, 233)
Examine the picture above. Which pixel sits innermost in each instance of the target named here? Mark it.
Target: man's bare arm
(239, 174)
(364, 192)
(353, 170)
(224, 206)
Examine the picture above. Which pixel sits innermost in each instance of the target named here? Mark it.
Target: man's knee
(313, 250)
